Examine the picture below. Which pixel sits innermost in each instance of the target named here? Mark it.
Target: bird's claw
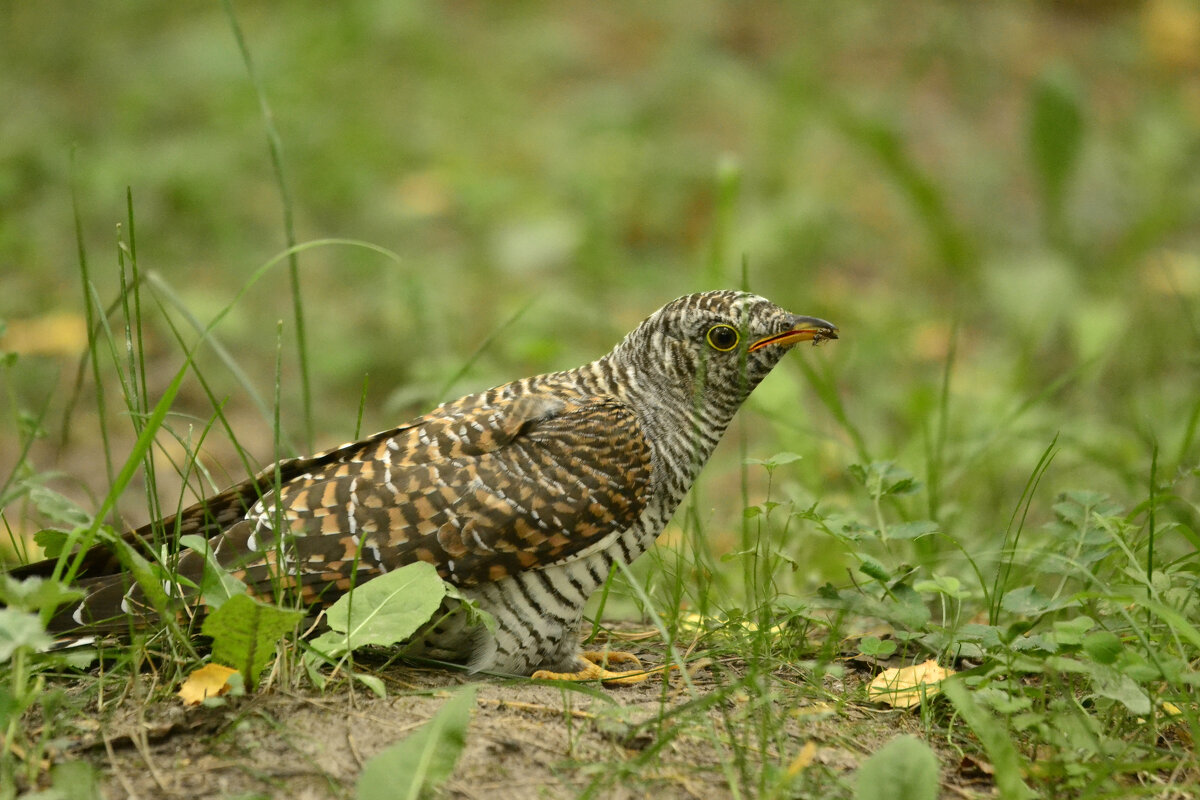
(596, 662)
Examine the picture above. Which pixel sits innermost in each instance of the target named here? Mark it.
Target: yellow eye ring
(722, 337)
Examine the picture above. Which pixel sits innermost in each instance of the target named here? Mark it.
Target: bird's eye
(722, 337)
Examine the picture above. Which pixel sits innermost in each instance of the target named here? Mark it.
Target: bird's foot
(596, 669)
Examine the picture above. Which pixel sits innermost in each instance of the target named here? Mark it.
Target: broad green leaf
(216, 584)
(372, 682)
(1114, 685)
(1102, 646)
(384, 610)
(35, 593)
(996, 740)
(876, 647)
(421, 762)
(907, 607)
(882, 478)
(1070, 633)
(912, 530)
(71, 780)
(904, 769)
(941, 584)
(1025, 600)
(775, 460)
(244, 633)
(58, 508)
(21, 629)
(53, 541)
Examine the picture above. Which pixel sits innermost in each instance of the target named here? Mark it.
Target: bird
(522, 496)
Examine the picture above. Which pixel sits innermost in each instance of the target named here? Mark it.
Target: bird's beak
(804, 329)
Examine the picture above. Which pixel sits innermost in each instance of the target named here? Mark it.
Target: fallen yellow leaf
(211, 680)
(57, 334)
(903, 687)
(802, 759)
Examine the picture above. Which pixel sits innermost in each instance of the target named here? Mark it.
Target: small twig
(112, 760)
(536, 708)
(358, 759)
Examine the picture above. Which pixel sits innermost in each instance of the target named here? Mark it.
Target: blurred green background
(1010, 188)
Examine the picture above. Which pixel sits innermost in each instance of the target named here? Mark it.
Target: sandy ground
(525, 740)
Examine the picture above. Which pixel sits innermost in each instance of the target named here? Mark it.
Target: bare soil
(525, 740)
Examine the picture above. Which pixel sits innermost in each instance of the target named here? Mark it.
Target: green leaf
(873, 568)
(941, 584)
(1070, 633)
(1114, 685)
(244, 632)
(875, 647)
(384, 610)
(996, 740)
(775, 460)
(475, 614)
(422, 761)
(904, 769)
(21, 629)
(53, 541)
(76, 780)
(882, 478)
(912, 530)
(57, 507)
(1055, 134)
(372, 682)
(1102, 646)
(1025, 600)
(216, 584)
(35, 593)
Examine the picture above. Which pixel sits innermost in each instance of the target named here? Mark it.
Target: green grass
(997, 466)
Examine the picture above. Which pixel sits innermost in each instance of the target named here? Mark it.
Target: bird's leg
(596, 662)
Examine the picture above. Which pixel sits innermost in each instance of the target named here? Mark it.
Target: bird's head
(714, 347)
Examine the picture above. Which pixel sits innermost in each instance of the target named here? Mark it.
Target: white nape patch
(125, 605)
(77, 614)
(450, 564)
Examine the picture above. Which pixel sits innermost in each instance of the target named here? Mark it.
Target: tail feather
(113, 604)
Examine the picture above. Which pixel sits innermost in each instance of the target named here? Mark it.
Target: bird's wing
(480, 491)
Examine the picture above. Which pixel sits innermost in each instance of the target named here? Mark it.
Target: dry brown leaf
(903, 687)
(211, 680)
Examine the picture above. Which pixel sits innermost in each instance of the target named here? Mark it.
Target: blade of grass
(90, 315)
(1009, 550)
(996, 740)
(275, 145)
